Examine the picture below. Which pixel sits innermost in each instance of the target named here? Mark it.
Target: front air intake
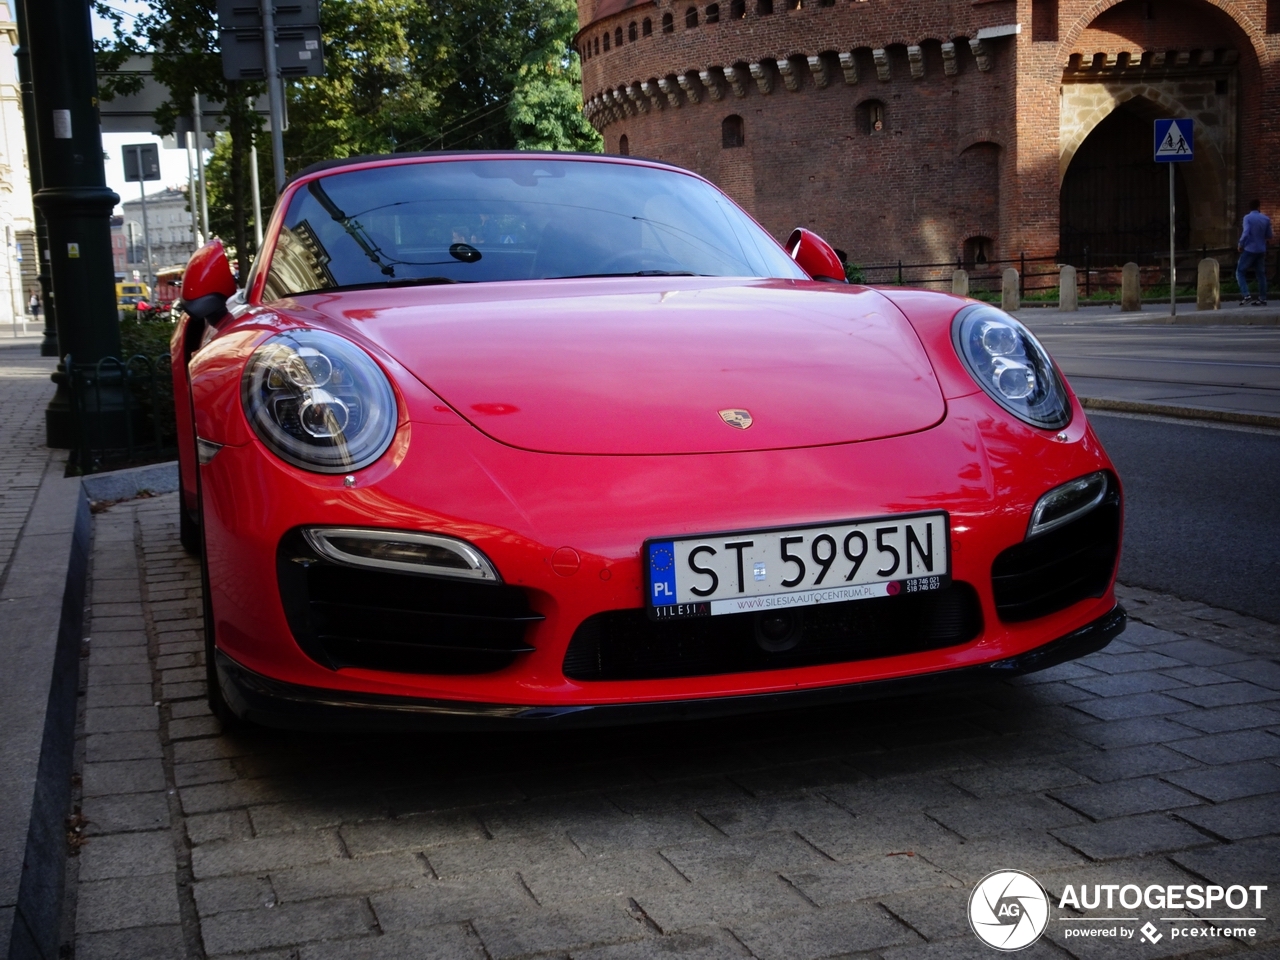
(348, 616)
(1051, 571)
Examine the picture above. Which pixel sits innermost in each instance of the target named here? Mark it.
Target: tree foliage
(399, 75)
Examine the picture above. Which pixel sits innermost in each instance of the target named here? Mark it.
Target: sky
(173, 163)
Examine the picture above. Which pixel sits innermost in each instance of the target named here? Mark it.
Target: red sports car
(494, 438)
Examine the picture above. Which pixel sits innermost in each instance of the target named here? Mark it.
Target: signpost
(1173, 144)
(142, 163)
(264, 39)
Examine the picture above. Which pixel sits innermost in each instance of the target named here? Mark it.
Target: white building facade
(168, 221)
(16, 225)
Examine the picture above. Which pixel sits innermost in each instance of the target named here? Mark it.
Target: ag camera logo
(1008, 910)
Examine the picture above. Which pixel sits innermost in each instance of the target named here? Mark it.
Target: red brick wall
(911, 191)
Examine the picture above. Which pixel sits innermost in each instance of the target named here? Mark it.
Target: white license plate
(760, 570)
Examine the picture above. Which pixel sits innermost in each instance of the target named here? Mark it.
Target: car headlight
(1012, 367)
(318, 401)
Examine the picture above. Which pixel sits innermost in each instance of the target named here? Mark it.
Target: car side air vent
(344, 616)
(627, 645)
(1051, 571)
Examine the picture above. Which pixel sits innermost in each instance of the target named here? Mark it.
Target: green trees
(399, 75)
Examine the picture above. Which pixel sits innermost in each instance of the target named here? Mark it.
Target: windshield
(528, 218)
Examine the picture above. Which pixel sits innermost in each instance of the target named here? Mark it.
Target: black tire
(188, 530)
(213, 688)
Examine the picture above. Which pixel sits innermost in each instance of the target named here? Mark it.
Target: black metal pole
(22, 56)
(73, 196)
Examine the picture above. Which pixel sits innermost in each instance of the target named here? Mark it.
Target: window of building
(617, 37)
(731, 134)
(631, 31)
(606, 43)
(624, 146)
(691, 18)
(978, 252)
(794, 4)
(737, 9)
(646, 27)
(598, 45)
(1044, 20)
(668, 23)
(1273, 16)
(713, 13)
(871, 117)
(764, 7)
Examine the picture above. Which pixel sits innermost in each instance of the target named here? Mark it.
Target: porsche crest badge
(741, 419)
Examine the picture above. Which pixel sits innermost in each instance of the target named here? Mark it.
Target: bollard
(1009, 299)
(1068, 295)
(960, 282)
(1208, 286)
(1130, 288)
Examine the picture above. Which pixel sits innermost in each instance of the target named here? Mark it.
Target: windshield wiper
(421, 281)
(631, 273)
(353, 227)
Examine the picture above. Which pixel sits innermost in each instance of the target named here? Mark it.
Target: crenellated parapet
(789, 73)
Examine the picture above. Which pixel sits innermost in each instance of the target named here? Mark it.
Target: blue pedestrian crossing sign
(1173, 141)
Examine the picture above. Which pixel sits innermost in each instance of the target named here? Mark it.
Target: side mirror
(815, 256)
(207, 283)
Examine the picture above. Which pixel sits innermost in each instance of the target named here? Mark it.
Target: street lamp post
(73, 196)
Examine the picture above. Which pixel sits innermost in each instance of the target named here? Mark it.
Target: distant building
(119, 260)
(941, 131)
(168, 222)
(17, 251)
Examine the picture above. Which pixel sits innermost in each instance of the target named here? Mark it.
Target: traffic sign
(141, 155)
(299, 52)
(1174, 141)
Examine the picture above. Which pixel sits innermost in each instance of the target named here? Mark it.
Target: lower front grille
(345, 616)
(1052, 571)
(627, 645)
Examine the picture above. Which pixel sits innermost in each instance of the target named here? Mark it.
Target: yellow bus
(129, 292)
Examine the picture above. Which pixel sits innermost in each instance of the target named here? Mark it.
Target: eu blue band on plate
(662, 573)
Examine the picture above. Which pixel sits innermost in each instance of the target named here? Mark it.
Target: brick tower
(945, 131)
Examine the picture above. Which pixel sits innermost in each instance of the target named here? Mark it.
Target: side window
(737, 9)
(631, 31)
(617, 37)
(668, 23)
(713, 13)
(646, 27)
(764, 7)
(624, 146)
(606, 43)
(691, 18)
(731, 133)
(870, 117)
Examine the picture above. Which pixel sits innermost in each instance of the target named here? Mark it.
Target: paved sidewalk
(851, 832)
(25, 391)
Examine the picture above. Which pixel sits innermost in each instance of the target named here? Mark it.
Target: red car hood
(645, 366)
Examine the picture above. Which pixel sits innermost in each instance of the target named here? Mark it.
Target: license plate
(761, 570)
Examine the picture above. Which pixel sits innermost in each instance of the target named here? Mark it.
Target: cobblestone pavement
(850, 832)
(24, 392)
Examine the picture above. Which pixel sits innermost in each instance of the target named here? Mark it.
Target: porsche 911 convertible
(552, 439)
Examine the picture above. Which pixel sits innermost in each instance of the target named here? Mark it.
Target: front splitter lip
(274, 703)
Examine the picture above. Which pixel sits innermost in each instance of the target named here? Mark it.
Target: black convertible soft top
(410, 155)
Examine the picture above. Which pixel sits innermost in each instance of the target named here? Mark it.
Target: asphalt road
(1220, 368)
(1202, 510)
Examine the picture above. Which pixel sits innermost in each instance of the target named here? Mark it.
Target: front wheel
(188, 529)
(217, 702)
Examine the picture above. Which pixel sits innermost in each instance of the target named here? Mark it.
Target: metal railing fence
(122, 411)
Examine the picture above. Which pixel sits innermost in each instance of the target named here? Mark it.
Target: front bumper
(275, 703)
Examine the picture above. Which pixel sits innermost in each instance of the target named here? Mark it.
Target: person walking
(33, 305)
(1253, 253)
